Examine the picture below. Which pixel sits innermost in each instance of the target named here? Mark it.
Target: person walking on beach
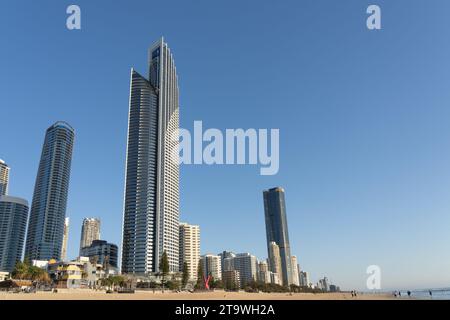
(431, 294)
(409, 294)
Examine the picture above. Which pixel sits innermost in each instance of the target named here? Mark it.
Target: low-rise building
(4, 275)
(80, 273)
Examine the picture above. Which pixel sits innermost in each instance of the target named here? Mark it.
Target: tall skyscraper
(65, 239)
(90, 231)
(277, 229)
(190, 248)
(4, 178)
(151, 206)
(13, 223)
(48, 208)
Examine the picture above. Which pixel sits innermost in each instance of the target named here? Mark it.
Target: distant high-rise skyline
(277, 229)
(90, 231)
(4, 177)
(151, 205)
(48, 208)
(13, 223)
(65, 239)
(189, 248)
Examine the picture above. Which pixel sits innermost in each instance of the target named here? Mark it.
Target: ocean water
(437, 294)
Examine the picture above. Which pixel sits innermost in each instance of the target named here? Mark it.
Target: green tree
(216, 284)
(185, 278)
(200, 276)
(164, 267)
(20, 271)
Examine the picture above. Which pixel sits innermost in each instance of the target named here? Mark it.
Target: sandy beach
(86, 294)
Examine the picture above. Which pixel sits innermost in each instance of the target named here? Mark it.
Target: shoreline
(88, 294)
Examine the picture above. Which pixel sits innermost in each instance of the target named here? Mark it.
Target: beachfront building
(103, 253)
(212, 266)
(304, 279)
(247, 265)
(275, 278)
(231, 279)
(151, 205)
(263, 272)
(13, 223)
(79, 273)
(189, 249)
(48, 208)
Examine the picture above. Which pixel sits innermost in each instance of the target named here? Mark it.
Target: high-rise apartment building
(227, 261)
(277, 229)
(231, 279)
(263, 272)
(212, 266)
(295, 275)
(190, 248)
(151, 205)
(275, 259)
(90, 231)
(65, 239)
(4, 178)
(13, 223)
(247, 265)
(304, 279)
(48, 208)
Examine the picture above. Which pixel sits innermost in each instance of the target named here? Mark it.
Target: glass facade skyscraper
(13, 223)
(48, 208)
(151, 205)
(277, 229)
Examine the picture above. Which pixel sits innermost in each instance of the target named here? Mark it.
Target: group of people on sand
(354, 294)
(399, 294)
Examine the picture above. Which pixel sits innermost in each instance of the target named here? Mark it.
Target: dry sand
(86, 294)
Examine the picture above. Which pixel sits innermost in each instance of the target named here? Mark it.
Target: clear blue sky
(364, 121)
